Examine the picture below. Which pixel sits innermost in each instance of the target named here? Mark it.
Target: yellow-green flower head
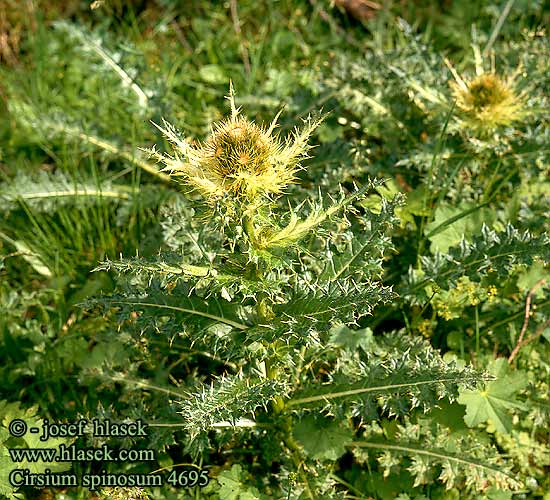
(487, 101)
(239, 160)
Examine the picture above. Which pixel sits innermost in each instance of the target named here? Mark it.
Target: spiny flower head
(487, 101)
(239, 160)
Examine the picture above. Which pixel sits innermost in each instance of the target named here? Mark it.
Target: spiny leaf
(211, 310)
(489, 251)
(399, 373)
(44, 191)
(485, 470)
(229, 399)
(367, 243)
(297, 229)
(170, 270)
(344, 301)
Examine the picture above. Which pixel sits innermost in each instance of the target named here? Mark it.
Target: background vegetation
(457, 263)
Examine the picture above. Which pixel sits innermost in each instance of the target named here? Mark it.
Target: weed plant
(332, 283)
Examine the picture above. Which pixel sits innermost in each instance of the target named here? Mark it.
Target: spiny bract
(239, 160)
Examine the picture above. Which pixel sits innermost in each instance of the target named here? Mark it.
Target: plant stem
(477, 331)
(249, 229)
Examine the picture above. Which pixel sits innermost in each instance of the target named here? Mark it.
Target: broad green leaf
(496, 400)
(415, 205)
(494, 493)
(321, 438)
(74, 350)
(233, 488)
(6, 465)
(9, 412)
(343, 336)
(328, 133)
(451, 224)
(531, 276)
(532, 190)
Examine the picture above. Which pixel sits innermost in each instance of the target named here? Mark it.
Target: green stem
(296, 455)
(477, 331)
(271, 370)
(249, 229)
(428, 197)
(498, 26)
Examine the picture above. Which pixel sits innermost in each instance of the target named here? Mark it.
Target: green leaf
(213, 310)
(229, 400)
(233, 487)
(415, 205)
(488, 251)
(212, 73)
(483, 469)
(322, 439)
(296, 229)
(451, 224)
(400, 372)
(73, 348)
(33, 259)
(494, 402)
(9, 412)
(343, 336)
(494, 493)
(531, 276)
(44, 192)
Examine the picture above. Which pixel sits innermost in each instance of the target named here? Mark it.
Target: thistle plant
(282, 297)
(239, 171)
